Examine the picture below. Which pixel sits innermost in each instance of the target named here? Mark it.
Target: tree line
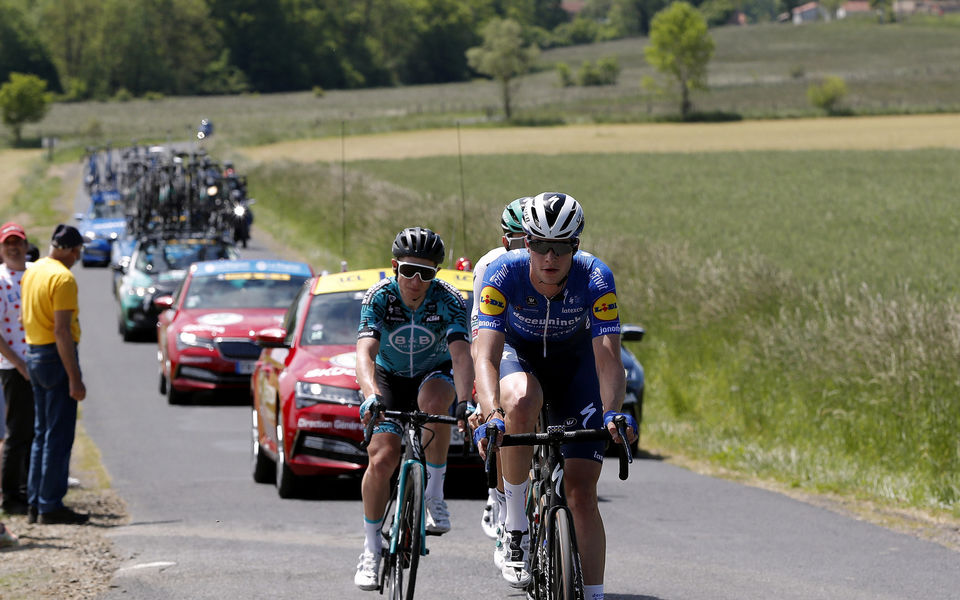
(99, 48)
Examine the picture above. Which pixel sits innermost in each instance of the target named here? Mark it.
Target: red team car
(205, 332)
(305, 392)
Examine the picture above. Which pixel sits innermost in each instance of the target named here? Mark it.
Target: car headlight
(90, 235)
(114, 235)
(186, 339)
(140, 291)
(212, 190)
(307, 393)
(239, 211)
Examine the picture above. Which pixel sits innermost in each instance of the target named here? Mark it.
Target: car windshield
(335, 318)
(108, 210)
(332, 319)
(160, 257)
(243, 290)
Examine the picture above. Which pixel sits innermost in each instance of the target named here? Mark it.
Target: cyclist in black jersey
(413, 350)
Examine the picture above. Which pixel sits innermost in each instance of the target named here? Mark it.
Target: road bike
(404, 519)
(555, 572)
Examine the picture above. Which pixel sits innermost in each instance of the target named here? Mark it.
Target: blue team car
(100, 226)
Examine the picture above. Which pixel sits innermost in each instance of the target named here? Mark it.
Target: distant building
(572, 7)
(854, 7)
(808, 13)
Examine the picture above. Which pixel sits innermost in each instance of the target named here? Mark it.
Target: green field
(801, 306)
(760, 71)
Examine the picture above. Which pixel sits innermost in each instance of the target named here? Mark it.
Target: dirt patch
(863, 133)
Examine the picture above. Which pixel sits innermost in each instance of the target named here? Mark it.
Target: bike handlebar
(416, 416)
(556, 434)
(491, 462)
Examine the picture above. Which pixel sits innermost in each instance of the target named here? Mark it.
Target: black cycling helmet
(419, 242)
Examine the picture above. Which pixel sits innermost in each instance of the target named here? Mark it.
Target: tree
(502, 56)
(681, 46)
(23, 99)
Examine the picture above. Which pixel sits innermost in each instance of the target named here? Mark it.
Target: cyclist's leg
(580, 485)
(384, 455)
(435, 397)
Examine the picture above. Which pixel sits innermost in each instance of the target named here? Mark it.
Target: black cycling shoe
(32, 514)
(63, 516)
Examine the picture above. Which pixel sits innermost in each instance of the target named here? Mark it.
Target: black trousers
(18, 394)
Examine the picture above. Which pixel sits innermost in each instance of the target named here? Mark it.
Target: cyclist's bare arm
(489, 349)
(606, 353)
(462, 370)
(367, 349)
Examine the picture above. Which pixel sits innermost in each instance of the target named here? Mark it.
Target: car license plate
(245, 367)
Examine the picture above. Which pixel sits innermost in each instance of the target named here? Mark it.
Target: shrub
(123, 95)
(153, 96)
(563, 72)
(318, 91)
(606, 71)
(828, 94)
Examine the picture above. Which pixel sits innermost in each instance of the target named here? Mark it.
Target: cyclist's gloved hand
(610, 415)
(464, 410)
(368, 403)
(480, 433)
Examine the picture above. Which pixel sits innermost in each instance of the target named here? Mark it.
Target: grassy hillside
(758, 71)
(802, 312)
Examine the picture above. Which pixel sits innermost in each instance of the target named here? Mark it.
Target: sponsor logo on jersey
(412, 339)
(492, 301)
(531, 301)
(605, 308)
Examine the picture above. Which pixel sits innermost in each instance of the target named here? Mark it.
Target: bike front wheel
(566, 580)
(403, 567)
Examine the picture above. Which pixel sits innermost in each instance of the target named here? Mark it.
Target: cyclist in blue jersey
(413, 350)
(548, 329)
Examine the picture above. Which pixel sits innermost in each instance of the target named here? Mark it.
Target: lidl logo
(492, 301)
(605, 308)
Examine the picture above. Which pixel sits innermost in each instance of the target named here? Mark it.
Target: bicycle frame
(412, 459)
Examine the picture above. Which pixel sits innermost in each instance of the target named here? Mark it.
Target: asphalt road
(201, 528)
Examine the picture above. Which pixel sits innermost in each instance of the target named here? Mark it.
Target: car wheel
(285, 479)
(263, 467)
(125, 331)
(173, 396)
(163, 383)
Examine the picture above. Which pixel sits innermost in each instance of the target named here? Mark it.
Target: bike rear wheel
(408, 528)
(566, 581)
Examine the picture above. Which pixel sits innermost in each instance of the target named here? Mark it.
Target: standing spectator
(50, 309)
(14, 379)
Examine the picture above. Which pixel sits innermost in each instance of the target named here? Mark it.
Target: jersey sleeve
(65, 294)
(491, 301)
(604, 316)
(372, 310)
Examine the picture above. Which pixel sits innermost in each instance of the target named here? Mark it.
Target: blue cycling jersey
(413, 342)
(584, 309)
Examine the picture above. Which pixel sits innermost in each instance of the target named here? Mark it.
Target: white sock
(435, 475)
(372, 542)
(593, 592)
(516, 501)
(501, 505)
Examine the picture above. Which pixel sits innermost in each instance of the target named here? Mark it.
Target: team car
(101, 225)
(305, 419)
(156, 267)
(205, 332)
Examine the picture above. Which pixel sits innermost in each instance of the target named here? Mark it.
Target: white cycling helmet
(553, 216)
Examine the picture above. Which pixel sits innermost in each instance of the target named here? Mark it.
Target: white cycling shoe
(516, 567)
(438, 517)
(488, 522)
(367, 571)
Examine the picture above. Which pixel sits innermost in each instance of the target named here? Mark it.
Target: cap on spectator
(11, 229)
(66, 236)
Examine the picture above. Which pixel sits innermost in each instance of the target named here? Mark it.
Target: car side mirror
(162, 303)
(631, 333)
(78, 216)
(272, 337)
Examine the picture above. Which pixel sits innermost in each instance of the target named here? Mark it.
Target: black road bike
(555, 572)
(404, 533)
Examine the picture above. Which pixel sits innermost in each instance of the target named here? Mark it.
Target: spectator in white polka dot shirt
(14, 379)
